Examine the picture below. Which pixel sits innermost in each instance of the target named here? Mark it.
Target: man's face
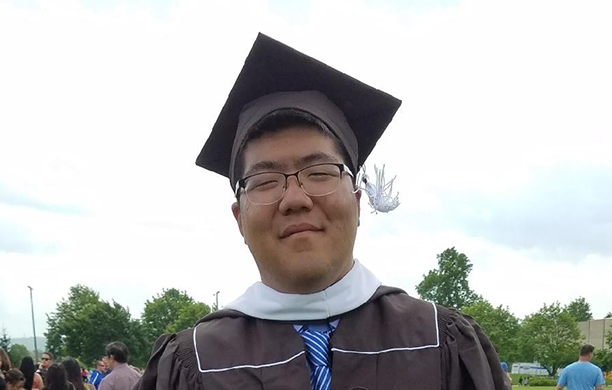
(319, 251)
(101, 366)
(46, 360)
(110, 362)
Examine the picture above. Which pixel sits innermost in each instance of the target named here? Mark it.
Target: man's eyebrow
(315, 158)
(265, 165)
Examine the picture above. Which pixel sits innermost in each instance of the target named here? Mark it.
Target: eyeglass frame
(341, 166)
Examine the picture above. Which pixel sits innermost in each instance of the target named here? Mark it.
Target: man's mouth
(299, 228)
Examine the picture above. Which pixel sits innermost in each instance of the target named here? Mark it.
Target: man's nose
(295, 198)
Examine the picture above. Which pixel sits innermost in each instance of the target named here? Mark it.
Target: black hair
(28, 369)
(2, 383)
(73, 373)
(55, 378)
(118, 351)
(283, 119)
(586, 350)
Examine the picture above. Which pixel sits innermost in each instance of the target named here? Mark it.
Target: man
(122, 377)
(98, 373)
(582, 375)
(291, 139)
(46, 362)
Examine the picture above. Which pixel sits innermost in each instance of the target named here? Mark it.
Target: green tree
(5, 340)
(580, 309)
(83, 324)
(550, 337)
(448, 285)
(161, 312)
(603, 357)
(189, 314)
(16, 353)
(500, 325)
(609, 315)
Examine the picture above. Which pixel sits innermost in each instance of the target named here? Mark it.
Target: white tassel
(379, 192)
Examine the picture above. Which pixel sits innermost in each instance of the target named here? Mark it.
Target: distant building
(594, 332)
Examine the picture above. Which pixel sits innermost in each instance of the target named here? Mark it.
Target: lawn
(536, 387)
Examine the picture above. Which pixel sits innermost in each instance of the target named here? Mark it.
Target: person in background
(5, 362)
(33, 380)
(46, 362)
(2, 383)
(108, 369)
(582, 375)
(123, 376)
(504, 367)
(73, 373)
(14, 379)
(55, 378)
(98, 373)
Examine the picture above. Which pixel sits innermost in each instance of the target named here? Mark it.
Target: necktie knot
(317, 351)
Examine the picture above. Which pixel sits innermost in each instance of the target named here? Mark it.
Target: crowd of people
(111, 372)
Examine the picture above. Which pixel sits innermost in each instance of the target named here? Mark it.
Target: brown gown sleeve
(172, 365)
(469, 361)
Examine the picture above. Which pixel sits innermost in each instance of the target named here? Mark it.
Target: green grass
(536, 387)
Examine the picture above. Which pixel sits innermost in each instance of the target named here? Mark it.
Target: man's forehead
(306, 146)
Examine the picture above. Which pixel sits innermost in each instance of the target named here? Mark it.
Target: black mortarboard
(358, 113)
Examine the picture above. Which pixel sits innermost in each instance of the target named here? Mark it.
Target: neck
(307, 285)
(584, 359)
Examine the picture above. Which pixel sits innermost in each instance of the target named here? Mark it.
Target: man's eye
(264, 185)
(319, 175)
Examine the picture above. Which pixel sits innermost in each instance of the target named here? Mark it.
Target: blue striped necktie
(317, 352)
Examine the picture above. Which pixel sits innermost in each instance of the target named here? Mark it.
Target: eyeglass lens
(316, 180)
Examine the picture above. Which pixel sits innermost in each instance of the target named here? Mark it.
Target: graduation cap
(275, 76)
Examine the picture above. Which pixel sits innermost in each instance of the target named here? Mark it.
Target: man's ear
(236, 212)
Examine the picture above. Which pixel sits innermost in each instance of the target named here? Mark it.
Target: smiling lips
(299, 228)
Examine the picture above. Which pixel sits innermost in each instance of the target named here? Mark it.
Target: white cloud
(105, 109)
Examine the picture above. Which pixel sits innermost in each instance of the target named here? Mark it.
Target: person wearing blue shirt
(98, 374)
(582, 375)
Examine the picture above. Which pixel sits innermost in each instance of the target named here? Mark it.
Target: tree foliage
(83, 324)
(448, 285)
(188, 316)
(16, 353)
(550, 337)
(5, 340)
(500, 325)
(580, 309)
(162, 311)
(603, 357)
(170, 312)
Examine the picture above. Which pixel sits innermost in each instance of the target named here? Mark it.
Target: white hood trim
(350, 292)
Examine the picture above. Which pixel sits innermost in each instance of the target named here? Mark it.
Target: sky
(501, 146)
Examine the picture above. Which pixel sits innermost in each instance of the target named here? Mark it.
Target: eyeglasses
(265, 188)
(46, 358)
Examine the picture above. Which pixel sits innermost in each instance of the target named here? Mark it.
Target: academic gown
(386, 341)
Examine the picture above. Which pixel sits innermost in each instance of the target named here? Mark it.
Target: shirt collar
(350, 292)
